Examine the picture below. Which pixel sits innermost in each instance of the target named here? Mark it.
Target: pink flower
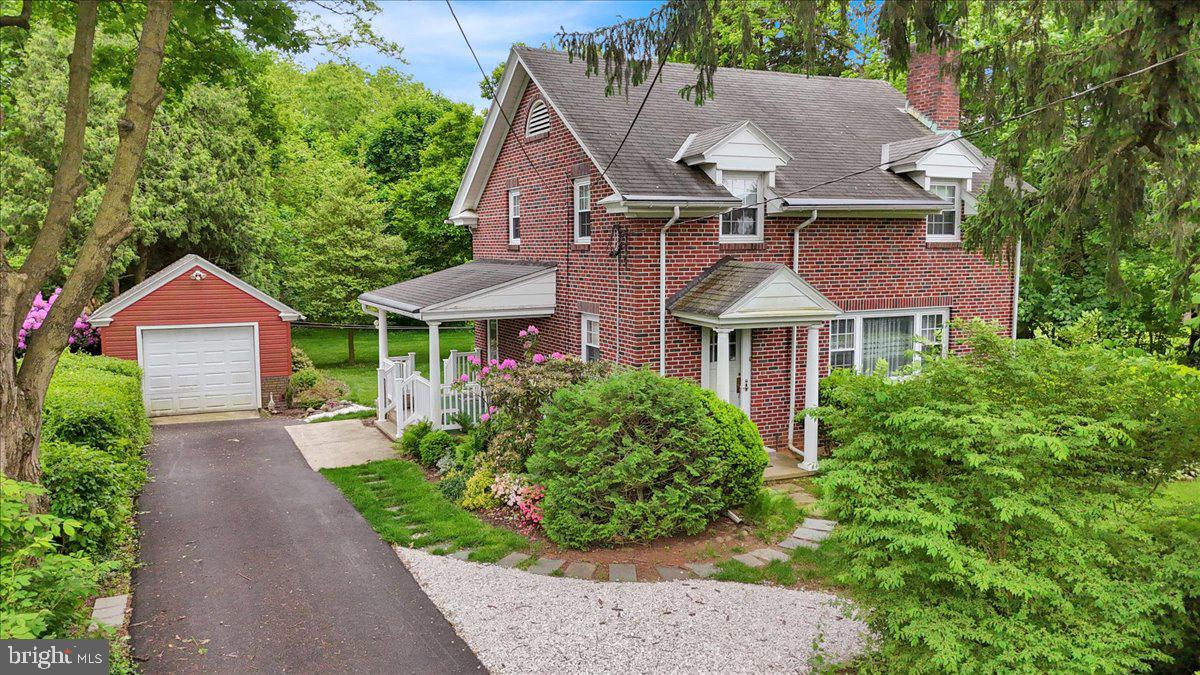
(492, 362)
(474, 360)
(539, 358)
(522, 333)
(484, 417)
(485, 370)
(532, 330)
(508, 364)
(492, 409)
(507, 376)
(463, 378)
(557, 356)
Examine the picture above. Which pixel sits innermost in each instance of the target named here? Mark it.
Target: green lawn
(327, 347)
(1183, 491)
(423, 517)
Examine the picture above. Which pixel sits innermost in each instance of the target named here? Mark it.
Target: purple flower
(484, 417)
(492, 409)
(485, 370)
(474, 360)
(557, 356)
(532, 330)
(464, 377)
(539, 358)
(522, 333)
(493, 362)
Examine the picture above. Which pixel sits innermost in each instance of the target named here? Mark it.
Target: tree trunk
(139, 274)
(350, 346)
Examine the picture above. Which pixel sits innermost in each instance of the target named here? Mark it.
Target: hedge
(97, 402)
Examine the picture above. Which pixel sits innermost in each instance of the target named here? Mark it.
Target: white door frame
(743, 347)
(257, 365)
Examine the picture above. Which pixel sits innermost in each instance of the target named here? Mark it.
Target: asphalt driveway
(251, 561)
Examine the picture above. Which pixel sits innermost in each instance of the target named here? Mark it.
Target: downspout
(795, 333)
(662, 293)
(1016, 289)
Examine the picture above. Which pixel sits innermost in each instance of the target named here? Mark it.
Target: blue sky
(437, 55)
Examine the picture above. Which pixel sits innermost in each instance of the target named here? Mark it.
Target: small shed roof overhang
(738, 294)
(480, 289)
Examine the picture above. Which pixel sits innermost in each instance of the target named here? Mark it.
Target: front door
(739, 372)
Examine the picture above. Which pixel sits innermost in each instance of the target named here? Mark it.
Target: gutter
(795, 335)
(662, 293)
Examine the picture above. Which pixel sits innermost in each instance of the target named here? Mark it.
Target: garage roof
(105, 313)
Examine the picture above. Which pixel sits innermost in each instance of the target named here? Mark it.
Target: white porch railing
(464, 399)
(402, 391)
(459, 363)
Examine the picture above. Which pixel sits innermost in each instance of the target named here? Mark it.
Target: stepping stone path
(581, 570)
(393, 509)
(809, 535)
(512, 560)
(109, 611)
(620, 572)
(545, 566)
(672, 573)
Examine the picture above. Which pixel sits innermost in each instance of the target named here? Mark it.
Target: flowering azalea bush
(83, 335)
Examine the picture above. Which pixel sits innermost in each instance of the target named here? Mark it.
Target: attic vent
(539, 119)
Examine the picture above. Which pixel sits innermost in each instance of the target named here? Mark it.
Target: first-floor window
(493, 340)
(871, 341)
(589, 337)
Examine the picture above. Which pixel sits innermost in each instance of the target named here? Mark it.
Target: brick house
(750, 244)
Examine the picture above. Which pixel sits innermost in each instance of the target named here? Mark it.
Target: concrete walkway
(327, 445)
(252, 562)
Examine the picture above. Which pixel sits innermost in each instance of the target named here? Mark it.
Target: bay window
(890, 340)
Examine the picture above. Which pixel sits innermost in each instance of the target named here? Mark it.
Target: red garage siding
(187, 301)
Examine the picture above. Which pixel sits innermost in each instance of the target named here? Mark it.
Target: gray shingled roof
(432, 289)
(831, 126)
(707, 138)
(721, 286)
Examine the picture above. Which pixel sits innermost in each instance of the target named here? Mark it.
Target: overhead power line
(657, 76)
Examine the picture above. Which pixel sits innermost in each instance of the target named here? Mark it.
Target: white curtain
(889, 338)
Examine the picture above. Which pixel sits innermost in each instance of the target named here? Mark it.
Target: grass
(772, 514)
(1184, 492)
(424, 517)
(327, 347)
(819, 566)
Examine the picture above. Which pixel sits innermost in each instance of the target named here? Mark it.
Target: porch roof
(734, 293)
(479, 289)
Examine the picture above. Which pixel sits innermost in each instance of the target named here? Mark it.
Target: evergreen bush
(97, 402)
(93, 488)
(434, 446)
(410, 439)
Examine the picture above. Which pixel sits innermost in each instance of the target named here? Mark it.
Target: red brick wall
(930, 90)
(858, 263)
(184, 300)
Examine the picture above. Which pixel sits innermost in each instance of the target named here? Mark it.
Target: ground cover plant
(997, 509)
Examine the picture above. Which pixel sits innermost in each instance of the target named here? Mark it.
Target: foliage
(996, 508)
(478, 494)
(96, 407)
(410, 440)
(304, 379)
(638, 456)
(453, 486)
(300, 360)
(83, 336)
(406, 509)
(434, 446)
(94, 489)
(42, 591)
(322, 391)
(772, 513)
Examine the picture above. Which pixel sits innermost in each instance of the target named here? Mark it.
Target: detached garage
(206, 340)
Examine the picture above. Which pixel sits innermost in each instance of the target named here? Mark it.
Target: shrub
(91, 487)
(300, 360)
(312, 389)
(638, 456)
(303, 379)
(42, 592)
(995, 508)
(410, 440)
(90, 402)
(478, 494)
(464, 454)
(453, 486)
(434, 446)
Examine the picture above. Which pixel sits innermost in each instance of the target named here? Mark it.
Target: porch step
(388, 427)
(784, 466)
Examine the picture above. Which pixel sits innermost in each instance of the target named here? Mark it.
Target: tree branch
(68, 180)
(18, 20)
(112, 223)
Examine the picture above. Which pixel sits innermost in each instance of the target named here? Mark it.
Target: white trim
(744, 369)
(257, 351)
(585, 181)
(584, 318)
(781, 154)
(515, 192)
(171, 272)
(538, 105)
(915, 312)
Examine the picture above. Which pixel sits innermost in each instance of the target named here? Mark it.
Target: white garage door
(192, 370)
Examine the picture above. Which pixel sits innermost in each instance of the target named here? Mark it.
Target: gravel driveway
(517, 622)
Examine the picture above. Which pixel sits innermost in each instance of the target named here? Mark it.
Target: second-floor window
(944, 226)
(743, 224)
(514, 216)
(583, 211)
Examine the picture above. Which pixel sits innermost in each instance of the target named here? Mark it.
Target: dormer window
(745, 223)
(945, 225)
(538, 121)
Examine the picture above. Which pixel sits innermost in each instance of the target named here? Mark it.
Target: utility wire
(657, 75)
(952, 138)
(495, 101)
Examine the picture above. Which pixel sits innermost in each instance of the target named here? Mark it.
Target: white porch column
(381, 399)
(435, 375)
(723, 363)
(812, 374)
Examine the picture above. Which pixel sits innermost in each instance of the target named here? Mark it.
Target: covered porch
(732, 299)
(480, 290)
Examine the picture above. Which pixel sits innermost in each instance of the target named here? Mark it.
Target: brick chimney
(933, 87)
